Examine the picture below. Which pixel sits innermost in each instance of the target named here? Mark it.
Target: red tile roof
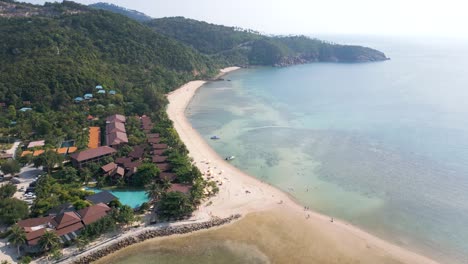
(32, 222)
(116, 138)
(115, 127)
(168, 176)
(158, 151)
(122, 161)
(116, 118)
(65, 219)
(160, 146)
(154, 140)
(93, 213)
(34, 236)
(137, 152)
(163, 166)
(132, 165)
(109, 167)
(93, 153)
(120, 171)
(68, 229)
(159, 159)
(175, 187)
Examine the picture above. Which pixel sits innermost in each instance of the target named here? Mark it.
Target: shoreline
(249, 193)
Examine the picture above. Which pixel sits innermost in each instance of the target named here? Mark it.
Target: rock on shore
(145, 235)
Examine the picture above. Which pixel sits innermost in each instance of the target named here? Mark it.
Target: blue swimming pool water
(131, 198)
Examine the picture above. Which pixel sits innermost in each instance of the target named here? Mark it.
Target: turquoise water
(127, 197)
(381, 145)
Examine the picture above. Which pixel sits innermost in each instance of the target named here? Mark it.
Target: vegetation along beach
(131, 137)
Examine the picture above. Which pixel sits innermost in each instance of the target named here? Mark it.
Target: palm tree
(17, 237)
(166, 184)
(154, 191)
(49, 241)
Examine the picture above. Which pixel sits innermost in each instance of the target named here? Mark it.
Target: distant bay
(381, 145)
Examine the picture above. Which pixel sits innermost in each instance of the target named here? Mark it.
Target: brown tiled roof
(160, 146)
(116, 118)
(183, 188)
(158, 152)
(123, 160)
(146, 123)
(32, 222)
(163, 166)
(65, 219)
(154, 140)
(93, 213)
(109, 167)
(115, 127)
(93, 153)
(137, 152)
(120, 171)
(34, 236)
(155, 135)
(116, 138)
(70, 228)
(159, 159)
(168, 176)
(131, 165)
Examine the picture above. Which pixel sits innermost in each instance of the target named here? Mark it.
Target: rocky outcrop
(148, 234)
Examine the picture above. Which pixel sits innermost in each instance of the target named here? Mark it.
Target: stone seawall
(148, 234)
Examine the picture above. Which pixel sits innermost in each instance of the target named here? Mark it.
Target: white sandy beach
(244, 194)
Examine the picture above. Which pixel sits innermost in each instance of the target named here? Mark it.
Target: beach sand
(244, 194)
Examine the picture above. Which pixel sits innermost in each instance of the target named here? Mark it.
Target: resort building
(91, 155)
(115, 131)
(146, 124)
(66, 224)
(103, 197)
(39, 143)
(94, 137)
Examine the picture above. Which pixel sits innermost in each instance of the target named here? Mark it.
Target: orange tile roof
(26, 152)
(38, 152)
(72, 149)
(94, 137)
(62, 150)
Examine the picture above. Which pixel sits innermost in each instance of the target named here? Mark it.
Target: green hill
(66, 49)
(133, 14)
(231, 45)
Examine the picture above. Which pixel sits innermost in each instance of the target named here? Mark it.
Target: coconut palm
(17, 237)
(154, 191)
(49, 241)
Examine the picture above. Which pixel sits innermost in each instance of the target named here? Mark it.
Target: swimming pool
(132, 198)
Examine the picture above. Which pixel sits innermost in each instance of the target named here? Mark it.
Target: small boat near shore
(215, 138)
(230, 158)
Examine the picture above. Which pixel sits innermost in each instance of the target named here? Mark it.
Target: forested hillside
(230, 45)
(53, 53)
(133, 14)
(55, 58)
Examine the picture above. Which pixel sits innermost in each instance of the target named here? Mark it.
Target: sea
(381, 145)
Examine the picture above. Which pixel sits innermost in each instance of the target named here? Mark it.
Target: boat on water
(214, 137)
(230, 158)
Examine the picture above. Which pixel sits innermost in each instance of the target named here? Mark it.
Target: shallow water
(381, 145)
(267, 237)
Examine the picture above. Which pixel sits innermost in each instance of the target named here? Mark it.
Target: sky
(440, 18)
